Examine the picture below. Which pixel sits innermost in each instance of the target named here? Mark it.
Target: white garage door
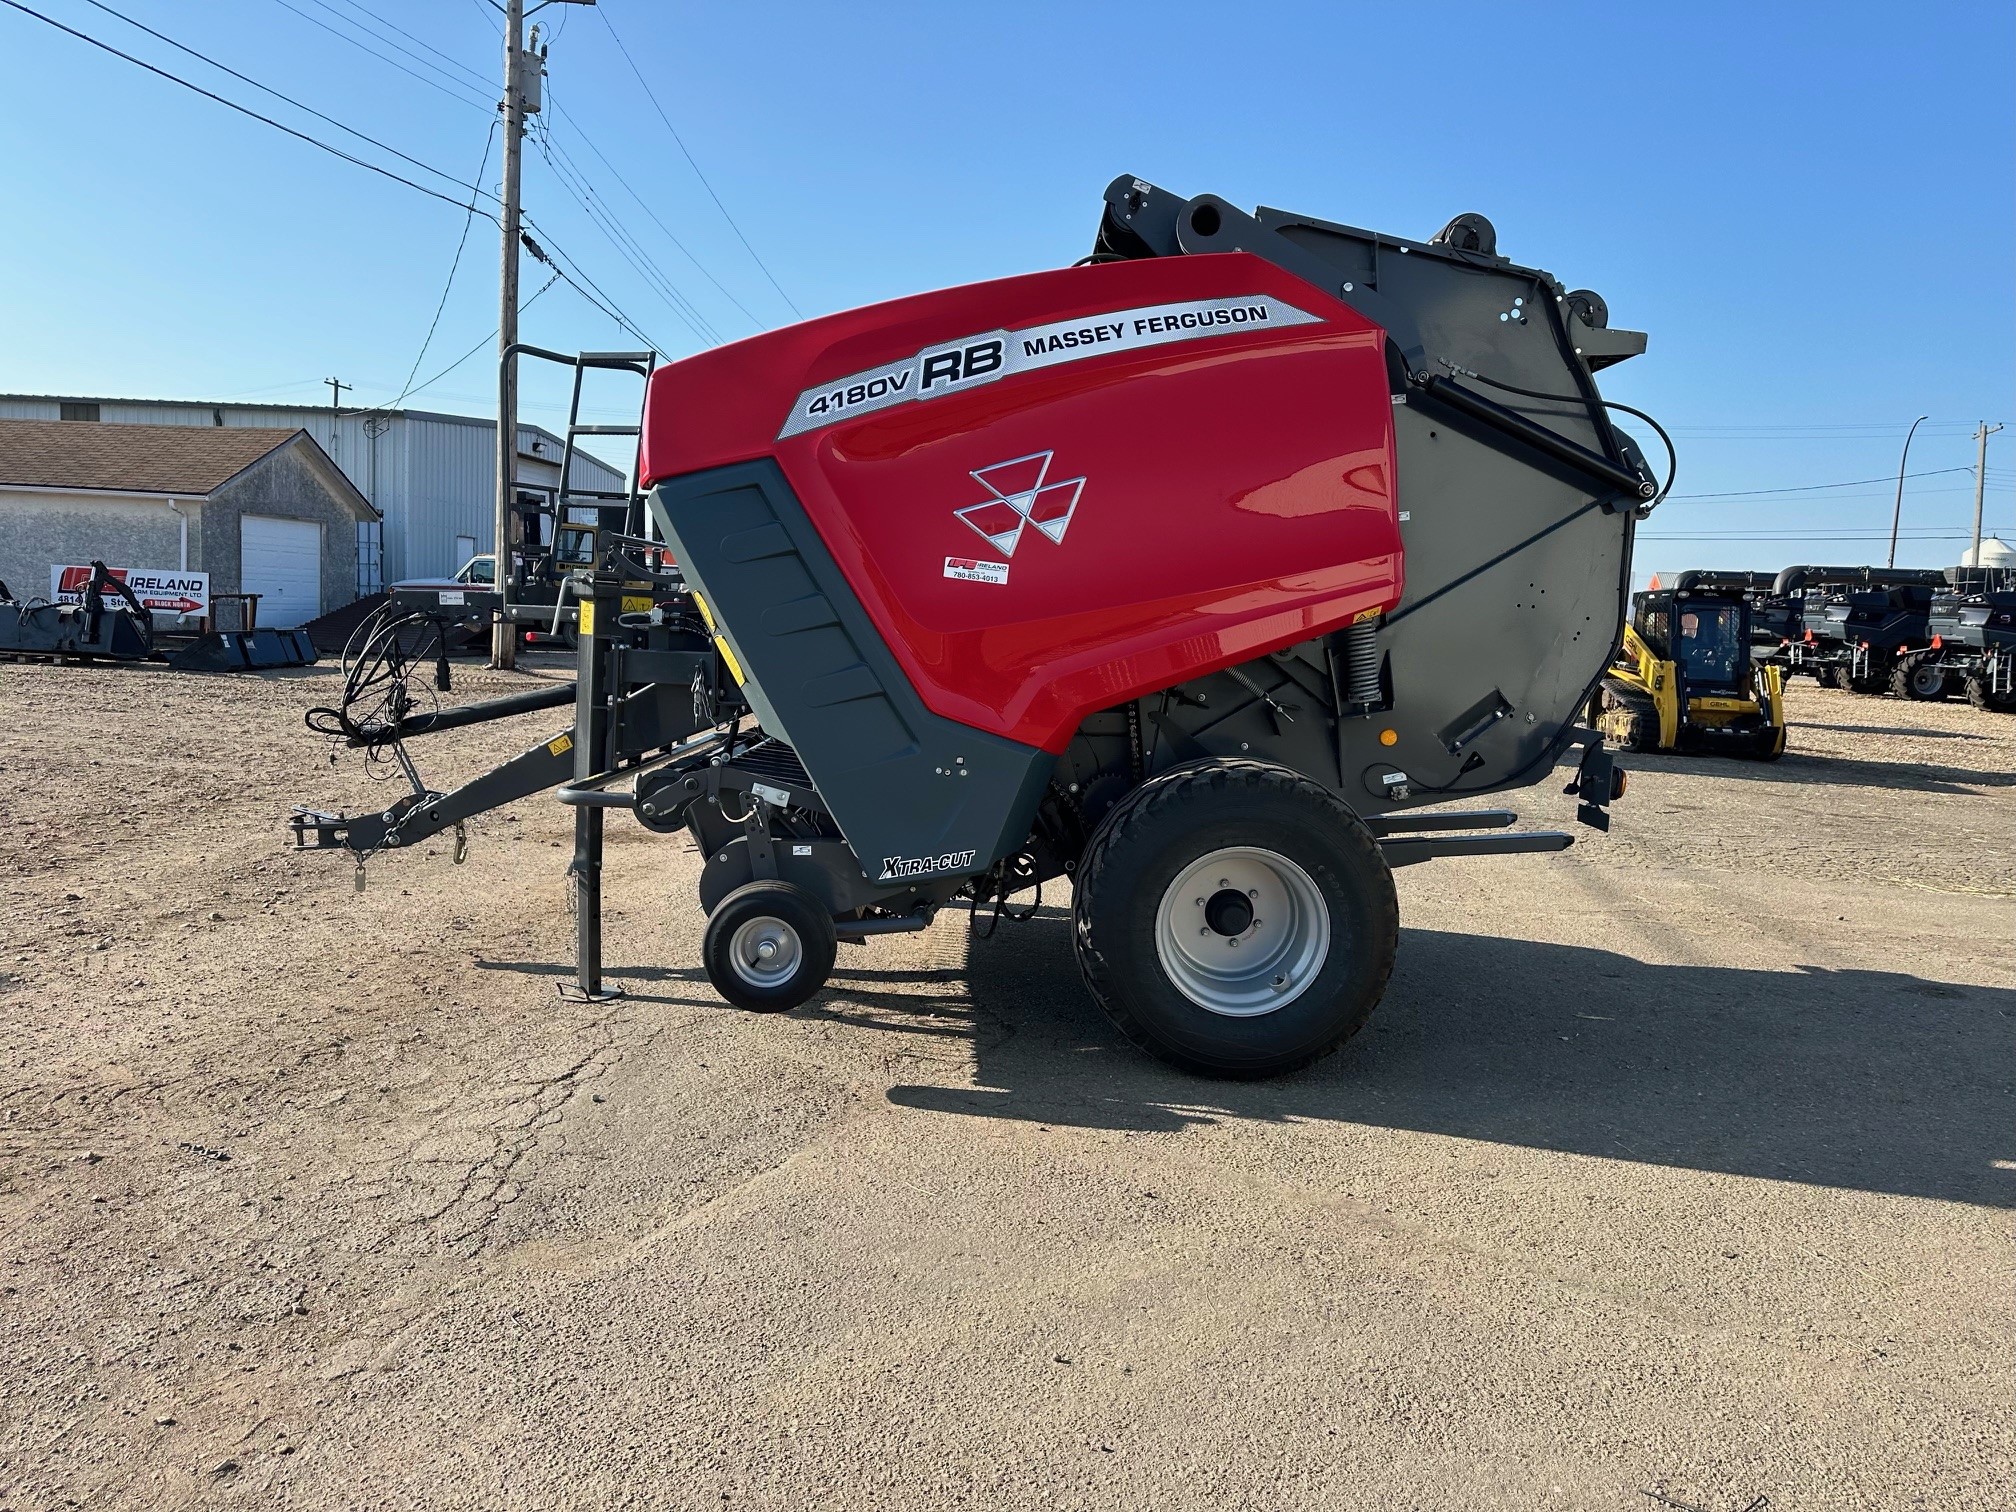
(281, 561)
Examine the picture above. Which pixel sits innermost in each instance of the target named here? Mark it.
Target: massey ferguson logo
(1020, 495)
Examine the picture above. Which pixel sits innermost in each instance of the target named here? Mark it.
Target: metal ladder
(604, 502)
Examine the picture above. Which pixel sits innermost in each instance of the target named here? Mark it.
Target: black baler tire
(1903, 682)
(807, 918)
(1978, 694)
(1188, 812)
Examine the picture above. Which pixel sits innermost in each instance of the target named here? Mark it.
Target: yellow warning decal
(728, 656)
(585, 625)
(1366, 614)
(636, 603)
(705, 613)
(560, 745)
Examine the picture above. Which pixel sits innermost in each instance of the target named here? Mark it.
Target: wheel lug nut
(1252, 892)
(1205, 930)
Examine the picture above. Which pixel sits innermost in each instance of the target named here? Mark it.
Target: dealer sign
(162, 592)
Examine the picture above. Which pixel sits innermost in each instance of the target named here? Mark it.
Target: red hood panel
(1056, 492)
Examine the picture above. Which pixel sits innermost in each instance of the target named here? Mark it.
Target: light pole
(1897, 514)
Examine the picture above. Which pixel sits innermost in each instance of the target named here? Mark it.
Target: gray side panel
(1515, 553)
(1514, 593)
(902, 782)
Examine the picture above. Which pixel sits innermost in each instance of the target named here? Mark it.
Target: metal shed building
(430, 475)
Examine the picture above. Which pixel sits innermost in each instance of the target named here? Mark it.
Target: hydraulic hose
(1537, 436)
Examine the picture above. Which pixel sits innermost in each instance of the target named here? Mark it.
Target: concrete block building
(261, 511)
(430, 477)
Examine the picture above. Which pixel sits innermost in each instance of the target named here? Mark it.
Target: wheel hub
(765, 951)
(1242, 931)
(1229, 912)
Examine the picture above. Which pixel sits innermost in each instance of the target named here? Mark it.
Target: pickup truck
(477, 572)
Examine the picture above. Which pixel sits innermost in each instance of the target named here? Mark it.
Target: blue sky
(1808, 206)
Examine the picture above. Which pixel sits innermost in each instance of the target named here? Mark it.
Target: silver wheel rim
(1234, 971)
(1928, 680)
(764, 952)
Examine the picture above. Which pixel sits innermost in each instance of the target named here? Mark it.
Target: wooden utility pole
(1980, 481)
(524, 69)
(504, 637)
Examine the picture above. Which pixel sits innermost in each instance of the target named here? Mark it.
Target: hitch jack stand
(591, 752)
(587, 873)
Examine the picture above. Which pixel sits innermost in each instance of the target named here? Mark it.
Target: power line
(454, 264)
(394, 63)
(1746, 493)
(445, 57)
(1834, 502)
(1809, 431)
(453, 81)
(487, 341)
(246, 111)
(570, 178)
(645, 206)
(639, 262)
(1797, 535)
(626, 245)
(269, 89)
(644, 84)
(1878, 427)
(575, 280)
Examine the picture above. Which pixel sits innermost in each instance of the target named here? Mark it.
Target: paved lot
(1677, 1166)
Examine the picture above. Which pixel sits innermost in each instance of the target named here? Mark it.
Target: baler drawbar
(1187, 573)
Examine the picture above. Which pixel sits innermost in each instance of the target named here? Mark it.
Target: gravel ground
(1675, 1170)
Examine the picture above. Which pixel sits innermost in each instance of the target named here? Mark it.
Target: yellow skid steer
(1686, 679)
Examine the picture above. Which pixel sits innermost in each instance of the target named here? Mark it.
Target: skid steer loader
(1689, 677)
(1188, 573)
